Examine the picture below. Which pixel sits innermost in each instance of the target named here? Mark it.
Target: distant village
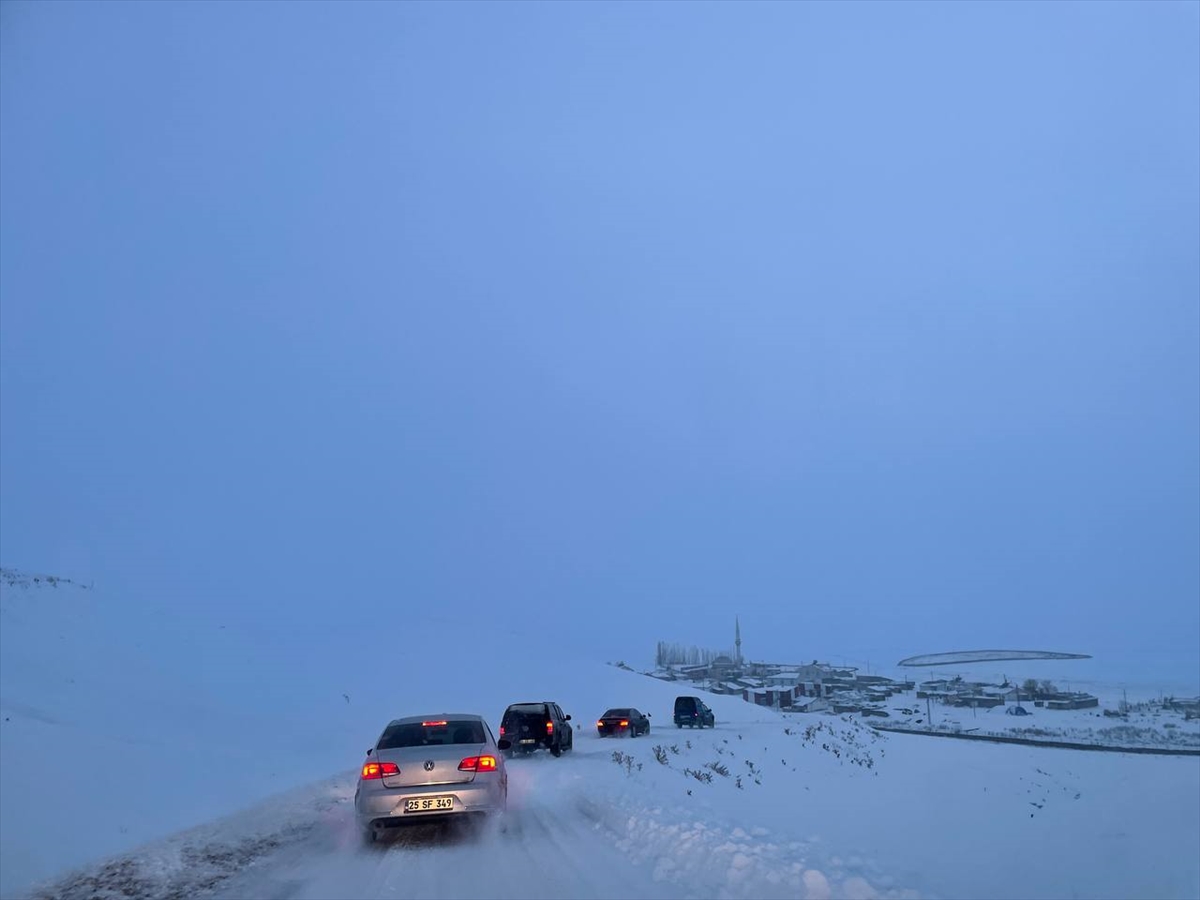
(802, 687)
(821, 687)
(811, 687)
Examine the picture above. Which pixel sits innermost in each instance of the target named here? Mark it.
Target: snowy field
(1147, 727)
(203, 775)
(1146, 723)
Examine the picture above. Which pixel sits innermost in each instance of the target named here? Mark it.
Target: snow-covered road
(830, 810)
(547, 847)
(605, 820)
(570, 832)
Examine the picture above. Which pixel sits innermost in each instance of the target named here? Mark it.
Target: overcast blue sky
(877, 324)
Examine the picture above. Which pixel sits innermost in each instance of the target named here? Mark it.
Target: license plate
(528, 741)
(428, 804)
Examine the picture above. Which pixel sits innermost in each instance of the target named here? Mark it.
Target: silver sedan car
(427, 767)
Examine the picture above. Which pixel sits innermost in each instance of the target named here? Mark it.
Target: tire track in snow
(544, 848)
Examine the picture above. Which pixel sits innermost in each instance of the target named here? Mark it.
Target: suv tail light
(379, 770)
(478, 764)
(501, 731)
(549, 728)
(624, 723)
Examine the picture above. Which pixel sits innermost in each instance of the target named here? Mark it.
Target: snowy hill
(207, 774)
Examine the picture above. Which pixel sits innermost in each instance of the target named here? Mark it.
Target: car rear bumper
(386, 807)
(525, 744)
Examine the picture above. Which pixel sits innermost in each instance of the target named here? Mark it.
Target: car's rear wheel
(556, 750)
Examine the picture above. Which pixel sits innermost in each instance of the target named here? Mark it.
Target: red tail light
(478, 764)
(501, 731)
(549, 728)
(428, 724)
(625, 723)
(379, 770)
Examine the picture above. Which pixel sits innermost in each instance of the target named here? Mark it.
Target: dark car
(692, 711)
(535, 726)
(624, 720)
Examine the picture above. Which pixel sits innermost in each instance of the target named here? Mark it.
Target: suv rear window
(685, 704)
(528, 709)
(414, 734)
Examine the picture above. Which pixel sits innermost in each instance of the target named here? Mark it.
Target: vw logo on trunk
(429, 765)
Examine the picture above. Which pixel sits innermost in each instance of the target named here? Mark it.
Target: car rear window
(685, 704)
(415, 734)
(616, 713)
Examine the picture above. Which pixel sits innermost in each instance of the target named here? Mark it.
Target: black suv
(531, 726)
(692, 711)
